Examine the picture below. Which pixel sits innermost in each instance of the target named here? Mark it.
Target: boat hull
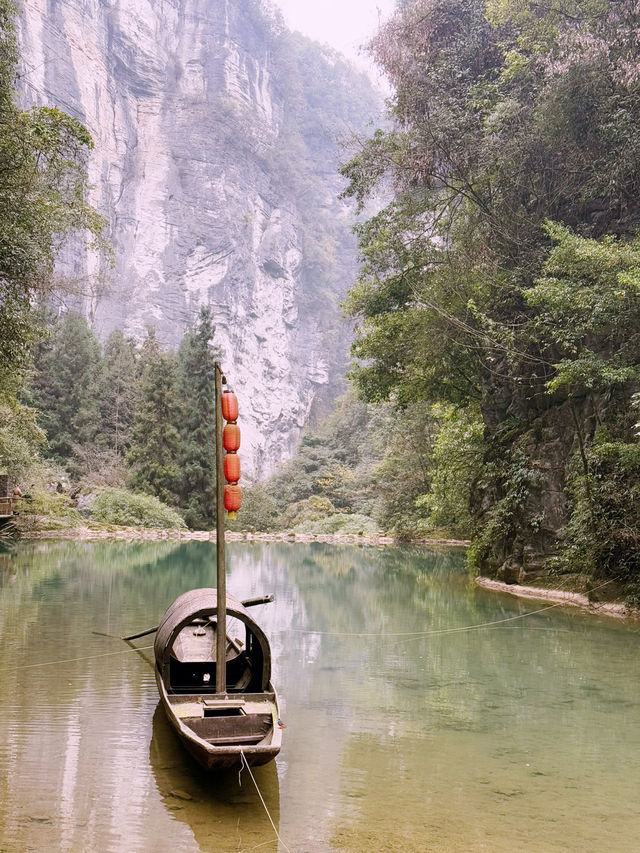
(222, 740)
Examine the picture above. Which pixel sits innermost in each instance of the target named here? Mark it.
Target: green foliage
(46, 504)
(456, 459)
(42, 202)
(407, 471)
(155, 448)
(47, 510)
(588, 311)
(120, 388)
(259, 510)
(120, 507)
(196, 382)
(301, 514)
(339, 524)
(20, 437)
(603, 534)
(511, 479)
(42, 191)
(404, 470)
(66, 388)
(317, 515)
(481, 156)
(502, 271)
(333, 462)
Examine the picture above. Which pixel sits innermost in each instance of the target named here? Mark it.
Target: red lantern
(232, 467)
(229, 406)
(231, 437)
(232, 499)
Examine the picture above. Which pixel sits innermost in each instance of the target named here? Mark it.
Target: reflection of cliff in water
(223, 814)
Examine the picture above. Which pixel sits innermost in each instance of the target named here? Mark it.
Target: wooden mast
(221, 630)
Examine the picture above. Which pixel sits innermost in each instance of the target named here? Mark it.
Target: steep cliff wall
(215, 165)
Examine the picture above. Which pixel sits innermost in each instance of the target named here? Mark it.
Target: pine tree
(67, 387)
(155, 447)
(118, 410)
(196, 378)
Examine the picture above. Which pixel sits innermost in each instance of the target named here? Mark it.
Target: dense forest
(497, 349)
(502, 275)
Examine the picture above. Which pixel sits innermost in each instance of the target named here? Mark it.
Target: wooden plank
(241, 727)
(219, 741)
(223, 703)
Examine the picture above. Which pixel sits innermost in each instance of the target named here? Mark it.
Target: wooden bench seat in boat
(231, 728)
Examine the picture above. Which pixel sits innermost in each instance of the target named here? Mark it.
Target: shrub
(301, 514)
(45, 504)
(259, 510)
(41, 509)
(117, 506)
(340, 524)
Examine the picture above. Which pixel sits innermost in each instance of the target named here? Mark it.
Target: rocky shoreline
(156, 534)
(616, 609)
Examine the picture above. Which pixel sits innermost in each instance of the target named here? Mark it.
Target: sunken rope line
(244, 764)
(409, 635)
(415, 635)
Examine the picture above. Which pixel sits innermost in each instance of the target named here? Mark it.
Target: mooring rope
(408, 635)
(246, 764)
(74, 660)
(418, 635)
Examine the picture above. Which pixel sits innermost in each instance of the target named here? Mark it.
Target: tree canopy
(502, 269)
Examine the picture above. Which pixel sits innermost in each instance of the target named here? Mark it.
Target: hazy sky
(344, 24)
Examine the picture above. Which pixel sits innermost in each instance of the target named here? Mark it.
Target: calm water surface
(522, 736)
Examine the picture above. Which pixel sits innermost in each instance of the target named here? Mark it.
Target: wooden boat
(216, 726)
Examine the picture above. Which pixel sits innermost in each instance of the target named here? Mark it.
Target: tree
(43, 189)
(196, 379)
(67, 387)
(507, 116)
(120, 389)
(155, 447)
(456, 458)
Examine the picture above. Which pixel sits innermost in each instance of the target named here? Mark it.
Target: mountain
(217, 138)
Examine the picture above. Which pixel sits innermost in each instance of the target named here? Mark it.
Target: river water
(520, 736)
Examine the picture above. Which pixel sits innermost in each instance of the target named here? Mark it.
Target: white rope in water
(74, 660)
(417, 635)
(411, 635)
(264, 805)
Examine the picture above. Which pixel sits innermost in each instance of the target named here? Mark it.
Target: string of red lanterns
(231, 444)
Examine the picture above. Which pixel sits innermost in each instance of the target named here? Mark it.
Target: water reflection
(525, 735)
(223, 810)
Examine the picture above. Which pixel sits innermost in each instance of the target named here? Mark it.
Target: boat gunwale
(211, 755)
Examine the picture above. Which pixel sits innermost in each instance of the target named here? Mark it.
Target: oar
(263, 599)
(126, 639)
(140, 652)
(248, 602)
(141, 634)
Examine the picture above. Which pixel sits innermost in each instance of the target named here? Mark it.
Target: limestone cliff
(215, 161)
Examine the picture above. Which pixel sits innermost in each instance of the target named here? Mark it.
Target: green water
(523, 736)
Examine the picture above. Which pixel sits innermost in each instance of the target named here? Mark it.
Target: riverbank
(616, 609)
(157, 534)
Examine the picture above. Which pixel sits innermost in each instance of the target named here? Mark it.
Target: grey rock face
(205, 146)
